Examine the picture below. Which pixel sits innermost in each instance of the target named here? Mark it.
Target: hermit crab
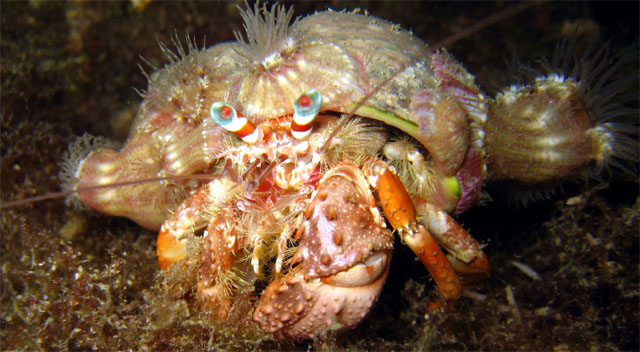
(291, 156)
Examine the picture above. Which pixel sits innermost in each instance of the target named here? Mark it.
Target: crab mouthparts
(361, 273)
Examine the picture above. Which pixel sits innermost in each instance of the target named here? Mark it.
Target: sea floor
(76, 280)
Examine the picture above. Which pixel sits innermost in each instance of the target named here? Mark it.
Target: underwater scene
(554, 261)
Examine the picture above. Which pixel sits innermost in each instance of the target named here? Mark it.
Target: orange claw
(169, 249)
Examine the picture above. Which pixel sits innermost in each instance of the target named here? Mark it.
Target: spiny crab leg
(401, 214)
(192, 214)
(257, 253)
(428, 251)
(219, 248)
(467, 257)
(220, 242)
(283, 240)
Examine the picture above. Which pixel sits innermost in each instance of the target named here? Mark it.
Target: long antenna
(362, 101)
(13, 203)
(495, 18)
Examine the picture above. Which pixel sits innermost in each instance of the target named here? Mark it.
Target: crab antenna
(15, 203)
(495, 18)
(362, 101)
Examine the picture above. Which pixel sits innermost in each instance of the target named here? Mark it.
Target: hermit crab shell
(262, 79)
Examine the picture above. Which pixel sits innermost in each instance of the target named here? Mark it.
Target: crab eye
(226, 116)
(305, 108)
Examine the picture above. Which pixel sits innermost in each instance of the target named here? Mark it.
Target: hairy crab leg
(283, 240)
(219, 248)
(192, 214)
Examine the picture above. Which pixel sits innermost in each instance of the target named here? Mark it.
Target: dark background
(72, 67)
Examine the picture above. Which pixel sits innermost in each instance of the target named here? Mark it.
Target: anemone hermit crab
(305, 196)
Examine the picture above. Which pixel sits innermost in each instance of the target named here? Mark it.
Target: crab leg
(218, 250)
(428, 251)
(401, 214)
(467, 257)
(192, 214)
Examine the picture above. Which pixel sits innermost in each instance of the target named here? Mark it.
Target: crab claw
(298, 309)
(340, 266)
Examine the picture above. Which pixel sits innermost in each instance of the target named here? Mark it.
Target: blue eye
(305, 108)
(226, 116)
(223, 114)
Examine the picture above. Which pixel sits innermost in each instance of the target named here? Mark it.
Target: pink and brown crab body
(249, 142)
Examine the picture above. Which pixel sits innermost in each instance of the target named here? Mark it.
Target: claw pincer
(340, 266)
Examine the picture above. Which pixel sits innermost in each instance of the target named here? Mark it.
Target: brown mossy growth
(586, 256)
(61, 295)
(76, 63)
(177, 320)
(47, 89)
(27, 146)
(57, 294)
